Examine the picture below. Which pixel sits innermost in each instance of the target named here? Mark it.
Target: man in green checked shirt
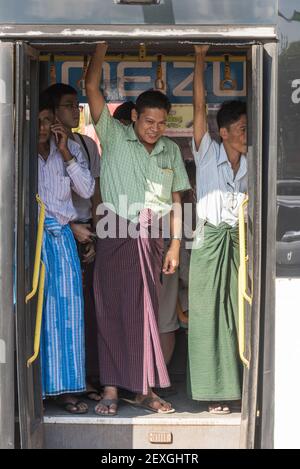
(146, 168)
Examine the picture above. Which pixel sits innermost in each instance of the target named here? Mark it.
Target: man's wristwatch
(176, 237)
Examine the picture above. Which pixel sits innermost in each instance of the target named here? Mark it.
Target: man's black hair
(57, 91)
(123, 112)
(230, 112)
(152, 99)
(45, 102)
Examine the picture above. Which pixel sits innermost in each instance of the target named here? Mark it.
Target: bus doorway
(190, 426)
(28, 378)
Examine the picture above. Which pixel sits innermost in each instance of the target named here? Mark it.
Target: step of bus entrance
(133, 429)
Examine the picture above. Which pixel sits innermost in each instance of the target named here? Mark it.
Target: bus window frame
(199, 35)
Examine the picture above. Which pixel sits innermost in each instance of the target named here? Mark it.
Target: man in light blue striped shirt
(61, 168)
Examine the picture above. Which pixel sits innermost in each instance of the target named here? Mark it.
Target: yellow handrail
(39, 313)
(38, 250)
(242, 283)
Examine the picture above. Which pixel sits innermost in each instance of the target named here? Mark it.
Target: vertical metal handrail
(38, 280)
(39, 314)
(242, 283)
(38, 250)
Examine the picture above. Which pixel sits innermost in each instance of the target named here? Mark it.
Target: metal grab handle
(52, 70)
(81, 82)
(159, 83)
(142, 51)
(38, 250)
(242, 283)
(39, 313)
(228, 83)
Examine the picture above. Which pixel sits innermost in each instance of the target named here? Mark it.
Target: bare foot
(92, 393)
(72, 404)
(108, 405)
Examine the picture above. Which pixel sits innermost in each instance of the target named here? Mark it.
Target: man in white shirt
(64, 99)
(215, 373)
(61, 169)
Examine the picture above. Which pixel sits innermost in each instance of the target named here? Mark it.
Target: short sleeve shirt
(125, 165)
(219, 193)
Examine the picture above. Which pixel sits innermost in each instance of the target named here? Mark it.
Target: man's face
(150, 124)
(236, 135)
(67, 111)
(46, 119)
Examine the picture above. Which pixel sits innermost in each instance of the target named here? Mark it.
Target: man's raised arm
(200, 122)
(92, 82)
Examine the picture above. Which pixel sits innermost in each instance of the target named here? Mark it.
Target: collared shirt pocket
(159, 182)
(165, 192)
(158, 190)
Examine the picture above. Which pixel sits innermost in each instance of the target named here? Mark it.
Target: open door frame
(29, 381)
(254, 217)
(264, 437)
(7, 404)
(262, 155)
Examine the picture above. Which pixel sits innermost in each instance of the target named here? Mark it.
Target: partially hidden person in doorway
(65, 102)
(173, 302)
(215, 372)
(167, 319)
(123, 112)
(138, 163)
(61, 168)
(189, 201)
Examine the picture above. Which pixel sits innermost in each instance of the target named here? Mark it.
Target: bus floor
(183, 405)
(190, 426)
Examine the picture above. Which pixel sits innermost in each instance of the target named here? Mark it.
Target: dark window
(288, 185)
(288, 227)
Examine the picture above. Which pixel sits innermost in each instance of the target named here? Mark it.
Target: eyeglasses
(70, 106)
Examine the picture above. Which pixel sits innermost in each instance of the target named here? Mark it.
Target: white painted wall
(287, 364)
